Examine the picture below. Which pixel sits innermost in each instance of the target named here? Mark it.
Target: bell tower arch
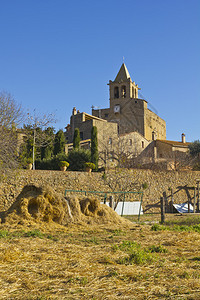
(122, 87)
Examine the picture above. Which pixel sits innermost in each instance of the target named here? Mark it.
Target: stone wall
(157, 181)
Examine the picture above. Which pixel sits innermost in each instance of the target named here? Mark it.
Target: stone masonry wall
(157, 181)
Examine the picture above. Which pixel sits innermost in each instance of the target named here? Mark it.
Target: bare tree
(119, 180)
(119, 151)
(36, 129)
(11, 115)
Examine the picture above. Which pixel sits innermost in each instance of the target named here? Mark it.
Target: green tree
(77, 159)
(59, 143)
(76, 139)
(194, 148)
(94, 147)
(26, 148)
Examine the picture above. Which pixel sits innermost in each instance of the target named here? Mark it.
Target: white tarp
(183, 207)
(130, 208)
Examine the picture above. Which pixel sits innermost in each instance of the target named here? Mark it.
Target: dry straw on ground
(86, 258)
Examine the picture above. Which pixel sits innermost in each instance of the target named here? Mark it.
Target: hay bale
(41, 204)
(38, 204)
(89, 210)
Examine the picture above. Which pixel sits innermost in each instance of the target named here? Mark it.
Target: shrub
(29, 160)
(50, 164)
(77, 158)
(90, 165)
(63, 163)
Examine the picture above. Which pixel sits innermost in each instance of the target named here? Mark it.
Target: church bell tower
(123, 87)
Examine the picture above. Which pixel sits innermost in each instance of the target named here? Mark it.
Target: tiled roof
(174, 143)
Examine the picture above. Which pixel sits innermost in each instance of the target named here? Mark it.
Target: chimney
(183, 137)
(74, 111)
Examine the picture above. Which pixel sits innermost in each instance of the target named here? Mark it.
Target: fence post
(198, 195)
(111, 202)
(162, 210)
(165, 201)
(188, 205)
(105, 197)
(194, 200)
(172, 200)
(123, 206)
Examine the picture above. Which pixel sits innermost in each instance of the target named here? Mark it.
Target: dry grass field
(99, 262)
(98, 255)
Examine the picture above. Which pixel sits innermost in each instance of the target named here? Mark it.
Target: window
(135, 93)
(135, 101)
(81, 135)
(116, 92)
(123, 91)
(106, 115)
(142, 144)
(130, 142)
(110, 141)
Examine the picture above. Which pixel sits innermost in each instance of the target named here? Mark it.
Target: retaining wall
(11, 184)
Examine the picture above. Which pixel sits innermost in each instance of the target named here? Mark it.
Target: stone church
(128, 111)
(127, 126)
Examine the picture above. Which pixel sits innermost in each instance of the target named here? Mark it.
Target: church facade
(127, 119)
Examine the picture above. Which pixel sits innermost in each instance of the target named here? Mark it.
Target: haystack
(37, 204)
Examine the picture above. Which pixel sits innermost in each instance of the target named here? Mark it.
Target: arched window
(116, 92)
(123, 91)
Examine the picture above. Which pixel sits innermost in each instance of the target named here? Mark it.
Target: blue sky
(56, 54)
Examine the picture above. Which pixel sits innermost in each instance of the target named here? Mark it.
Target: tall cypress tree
(76, 140)
(94, 147)
(59, 143)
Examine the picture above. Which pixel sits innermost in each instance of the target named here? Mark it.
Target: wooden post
(188, 205)
(111, 202)
(172, 200)
(162, 210)
(194, 200)
(165, 201)
(198, 195)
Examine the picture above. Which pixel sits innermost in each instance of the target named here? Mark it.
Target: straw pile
(36, 204)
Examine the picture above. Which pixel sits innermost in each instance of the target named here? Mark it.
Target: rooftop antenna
(97, 108)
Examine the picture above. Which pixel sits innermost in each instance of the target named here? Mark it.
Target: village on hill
(108, 207)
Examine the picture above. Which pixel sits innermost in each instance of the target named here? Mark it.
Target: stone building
(124, 129)
(106, 131)
(128, 111)
(170, 155)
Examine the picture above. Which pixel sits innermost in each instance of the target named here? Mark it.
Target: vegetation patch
(190, 228)
(136, 255)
